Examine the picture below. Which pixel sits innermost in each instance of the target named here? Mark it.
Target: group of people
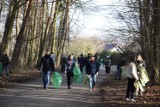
(4, 61)
(89, 62)
(67, 66)
(136, 74)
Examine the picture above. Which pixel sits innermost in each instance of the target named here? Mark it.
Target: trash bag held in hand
(56, 79)
(84, 70)
(77, 75)
(86, 79)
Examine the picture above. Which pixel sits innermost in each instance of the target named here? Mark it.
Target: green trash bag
(85, 79)
(1, 66)
(56, 79)
(84, 70)
(77, 75)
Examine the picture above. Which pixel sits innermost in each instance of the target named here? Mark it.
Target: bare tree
(17, 54)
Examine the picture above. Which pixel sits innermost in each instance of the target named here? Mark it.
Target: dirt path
(108, 93)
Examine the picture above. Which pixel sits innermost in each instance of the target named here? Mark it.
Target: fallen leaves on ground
(114, 91)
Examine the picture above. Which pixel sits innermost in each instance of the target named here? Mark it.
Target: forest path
(108, 93)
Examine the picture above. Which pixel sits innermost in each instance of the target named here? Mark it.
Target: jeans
(46, 78)
(92, 81)
(119, 72)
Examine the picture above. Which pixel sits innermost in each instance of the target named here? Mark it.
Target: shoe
(133, 101)
(45, 87)
(69, 87)
(127, 99)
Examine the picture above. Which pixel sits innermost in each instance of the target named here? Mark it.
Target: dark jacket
(108, 63)
(92, 67)
(63, 61)
(70, 65)
(81, 61)
(47, 64)
(5, 60)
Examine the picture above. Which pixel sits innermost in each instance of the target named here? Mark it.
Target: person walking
(63, 64)
(47, 65)
(81, 62)
(132, 77)
(92, 72)
(108, 65)
(119, 69)
(69, 70)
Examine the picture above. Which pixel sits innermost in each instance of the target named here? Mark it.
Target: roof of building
(109, 47)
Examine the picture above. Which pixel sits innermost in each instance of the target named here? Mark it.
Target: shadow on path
(108, 93)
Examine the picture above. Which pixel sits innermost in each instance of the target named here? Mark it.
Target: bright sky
(95, 22)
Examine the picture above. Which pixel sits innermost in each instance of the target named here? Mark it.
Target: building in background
(113, 48)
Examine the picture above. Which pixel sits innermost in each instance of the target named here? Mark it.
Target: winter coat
(70, 65)
(47, 64)
(132, 73)
(92, 67)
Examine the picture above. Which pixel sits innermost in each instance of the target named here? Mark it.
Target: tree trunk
(17, 54)
(64, 32)
(18, 22)
(9, 25)
(49, 25)
(156, 39)
(1, 6)
(32, 44)
(42, 37)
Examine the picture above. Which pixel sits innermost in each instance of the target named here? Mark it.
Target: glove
(97, 74)
(65, 72)
(88, 76)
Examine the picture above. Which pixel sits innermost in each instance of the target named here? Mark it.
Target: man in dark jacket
(63, 64)
(92, 71)
(47, 68)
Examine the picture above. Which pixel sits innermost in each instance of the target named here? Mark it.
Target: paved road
(31, 94)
